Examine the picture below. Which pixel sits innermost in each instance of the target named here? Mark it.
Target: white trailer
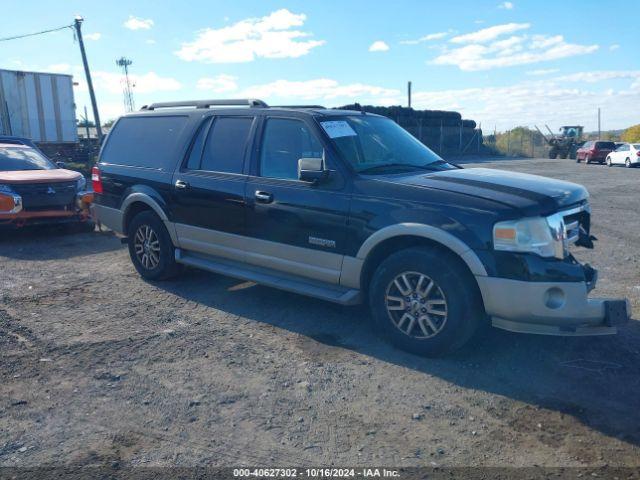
(39, 106)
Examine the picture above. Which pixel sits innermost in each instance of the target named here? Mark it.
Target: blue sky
(500, 63)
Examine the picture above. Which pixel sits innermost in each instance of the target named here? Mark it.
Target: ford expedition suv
(348, 207)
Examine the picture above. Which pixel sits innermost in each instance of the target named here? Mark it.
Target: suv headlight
(540, 235)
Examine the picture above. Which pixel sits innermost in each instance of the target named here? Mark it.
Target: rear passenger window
(195, 155)
(285, 142)
(149, 141)
(226, 145)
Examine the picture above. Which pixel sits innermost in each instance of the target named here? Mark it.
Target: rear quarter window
(149, 142)
(606, 145)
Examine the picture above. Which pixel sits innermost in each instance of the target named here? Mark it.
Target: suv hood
(39, 176)
(532, 194)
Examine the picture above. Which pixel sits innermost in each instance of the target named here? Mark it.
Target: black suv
(348, 207)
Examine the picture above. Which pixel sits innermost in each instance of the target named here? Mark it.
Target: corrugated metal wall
(39, 106)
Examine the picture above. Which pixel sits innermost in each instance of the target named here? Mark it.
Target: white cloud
(599, 76)
(484, 49)
(378, 46)
(427, 38)
(506, 6)
(111, 82)
(135, 23)
(490, 33)
(272, 36)
(150, 41)
(219, 84)
(542, 71)
(92, 36)
(58, 68)
(538, 102)
(323, 89)
(613, 47)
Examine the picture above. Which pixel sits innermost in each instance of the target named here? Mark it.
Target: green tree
(631, 134)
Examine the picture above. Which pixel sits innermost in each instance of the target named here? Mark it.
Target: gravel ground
(99, 366)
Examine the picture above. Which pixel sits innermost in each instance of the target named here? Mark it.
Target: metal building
(37, 105)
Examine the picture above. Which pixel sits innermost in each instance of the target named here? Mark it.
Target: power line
(35, 33)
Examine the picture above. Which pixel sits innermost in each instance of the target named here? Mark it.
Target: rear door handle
(263, 197)
(181, 184)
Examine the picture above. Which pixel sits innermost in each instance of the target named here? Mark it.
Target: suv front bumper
(551, 308)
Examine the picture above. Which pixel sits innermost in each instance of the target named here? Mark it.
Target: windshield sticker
(338, 128)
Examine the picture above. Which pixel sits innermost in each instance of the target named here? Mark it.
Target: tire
(627, 163)
(148, 236)
(553, 153)
(587, 160)
(564, 155)
(432, 277)
(608, 160)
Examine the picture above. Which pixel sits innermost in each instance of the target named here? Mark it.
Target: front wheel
(587, 160)
(150, 247)
(627, 163)
(608, 161)
(424, 302)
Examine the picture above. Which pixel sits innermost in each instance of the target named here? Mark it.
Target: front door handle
(263, 197)
(181, 184)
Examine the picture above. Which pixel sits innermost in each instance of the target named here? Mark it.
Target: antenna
(127, 86)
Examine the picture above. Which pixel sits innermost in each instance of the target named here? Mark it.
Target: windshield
(376, 144)
(16, 157)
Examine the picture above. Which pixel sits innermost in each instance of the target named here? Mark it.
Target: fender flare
(146, 199)
(426, 231)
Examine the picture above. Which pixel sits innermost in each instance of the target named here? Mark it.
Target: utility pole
(409, 93)
(92, 94)
(599, 123)
(86, 123)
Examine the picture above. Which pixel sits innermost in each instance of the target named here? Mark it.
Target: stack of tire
(437, 129)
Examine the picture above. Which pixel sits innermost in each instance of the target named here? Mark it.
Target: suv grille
(574, 220)
(42, 196)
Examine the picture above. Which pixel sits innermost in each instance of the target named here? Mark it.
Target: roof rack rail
(250, 102)
(300, 106)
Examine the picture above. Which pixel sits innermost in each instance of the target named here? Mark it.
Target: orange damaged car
(34, 190)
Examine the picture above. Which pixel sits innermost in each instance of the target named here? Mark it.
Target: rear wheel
(608, 161)
(424, 302)
(553, 153)
(150, 247)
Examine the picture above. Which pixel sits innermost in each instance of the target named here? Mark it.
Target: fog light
(554, 298)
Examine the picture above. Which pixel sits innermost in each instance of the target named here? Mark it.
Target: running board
(270, 278)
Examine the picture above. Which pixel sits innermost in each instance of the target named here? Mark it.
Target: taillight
(638, 153)
(96, 180)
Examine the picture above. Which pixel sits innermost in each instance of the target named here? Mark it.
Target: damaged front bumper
(552, 308)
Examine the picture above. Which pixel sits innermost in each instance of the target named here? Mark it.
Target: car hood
(532, 194)
(39, 176)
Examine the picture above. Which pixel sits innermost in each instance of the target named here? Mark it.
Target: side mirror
(61, 164)
(312, 170)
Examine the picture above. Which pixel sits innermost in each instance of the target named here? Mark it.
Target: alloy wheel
(416, 305)
(147, 247)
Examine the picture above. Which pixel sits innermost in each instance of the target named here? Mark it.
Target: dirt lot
(99, 366)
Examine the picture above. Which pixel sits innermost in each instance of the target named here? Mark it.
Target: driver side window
(284, 142)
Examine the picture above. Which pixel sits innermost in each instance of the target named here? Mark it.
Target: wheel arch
(393, 238)
(138, 202)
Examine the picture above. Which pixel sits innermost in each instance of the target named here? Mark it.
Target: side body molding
(352, 266)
